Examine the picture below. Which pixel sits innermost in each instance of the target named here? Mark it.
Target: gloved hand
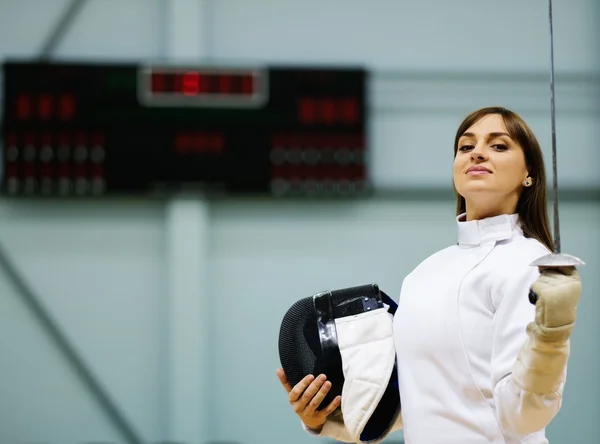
(542, 360)
(557, 291)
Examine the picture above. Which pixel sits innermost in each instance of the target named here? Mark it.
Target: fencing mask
(347, 335)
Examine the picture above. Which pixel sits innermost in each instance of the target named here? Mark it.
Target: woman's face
(489, 167)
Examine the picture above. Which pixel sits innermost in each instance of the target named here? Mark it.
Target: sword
(557, 258)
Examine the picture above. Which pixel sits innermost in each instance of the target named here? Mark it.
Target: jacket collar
(478, 232)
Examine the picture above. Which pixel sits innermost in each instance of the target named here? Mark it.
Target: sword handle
(532, 297)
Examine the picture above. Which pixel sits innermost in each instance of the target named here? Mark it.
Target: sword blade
(555, 259)
(553, 120)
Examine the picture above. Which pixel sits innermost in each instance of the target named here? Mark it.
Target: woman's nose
(477, 152)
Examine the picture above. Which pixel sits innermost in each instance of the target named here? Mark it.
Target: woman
(477, 362)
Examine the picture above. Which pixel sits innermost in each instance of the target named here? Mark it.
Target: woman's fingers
(317, 398)
(300, 388)
(332, 406)
(310, 393)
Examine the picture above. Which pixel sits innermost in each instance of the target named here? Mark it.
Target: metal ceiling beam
(60, 28)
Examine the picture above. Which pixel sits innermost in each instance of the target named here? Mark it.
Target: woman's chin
(476, 187)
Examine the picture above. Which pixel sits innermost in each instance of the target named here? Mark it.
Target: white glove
(543, 358)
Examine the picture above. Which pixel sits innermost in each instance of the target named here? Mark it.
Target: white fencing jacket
(461, 321)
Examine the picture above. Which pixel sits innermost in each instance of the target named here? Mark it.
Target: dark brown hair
(532, 205)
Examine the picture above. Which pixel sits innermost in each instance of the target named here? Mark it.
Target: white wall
(164, 323)
(99, 271)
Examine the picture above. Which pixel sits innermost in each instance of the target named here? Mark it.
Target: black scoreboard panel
(104, 129)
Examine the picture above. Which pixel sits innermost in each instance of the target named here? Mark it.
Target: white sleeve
(334, 428)
(519, 411)
(331, 429)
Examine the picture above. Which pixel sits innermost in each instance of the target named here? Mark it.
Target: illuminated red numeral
(216, 143)
(307, 111)
(182, 142)
(203, 84)
(198, 143)
(45, 106)
(349, 110)
(66, 107)
(328, 110)
(23, 105)
(158, 83)
(190, 83)
(224, 84)
(248, 84)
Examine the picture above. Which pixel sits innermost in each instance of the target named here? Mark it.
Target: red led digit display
(199, 143)
(214, 87)
(23, 106)
(66, 107)
(328, 111)
(192, 83)
(44, 106)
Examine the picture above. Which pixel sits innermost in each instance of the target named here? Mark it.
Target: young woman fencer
(477, 361)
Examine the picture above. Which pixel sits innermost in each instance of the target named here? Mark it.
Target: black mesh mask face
(300, 348)
(307, 338)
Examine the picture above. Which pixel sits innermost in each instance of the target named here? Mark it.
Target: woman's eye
(465, 147)
(500, 147)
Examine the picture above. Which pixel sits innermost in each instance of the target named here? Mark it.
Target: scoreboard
(76, 129)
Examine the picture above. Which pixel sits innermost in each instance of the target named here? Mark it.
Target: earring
(527, 183)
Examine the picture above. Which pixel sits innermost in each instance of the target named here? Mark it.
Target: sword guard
(557, 260)
(553, 260)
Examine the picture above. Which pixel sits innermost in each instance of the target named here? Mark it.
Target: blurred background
(148, 260)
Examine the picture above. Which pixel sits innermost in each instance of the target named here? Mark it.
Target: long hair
(532, 205)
